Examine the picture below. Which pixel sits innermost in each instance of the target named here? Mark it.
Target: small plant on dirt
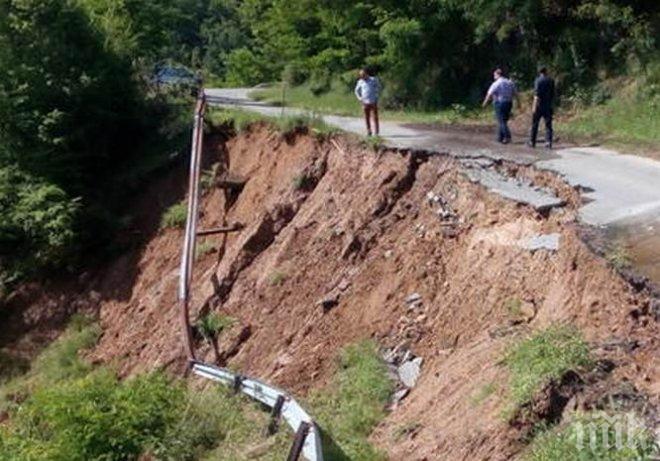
(175, 216)
(207, 178)
(595, 437)
(355, 403)
(482, 394)
(374, 143)
(617, 255)
(213, 324)
(277, 278)
(514, 307)
(210, 327)
(544, 356)
(204, 248)
(299, 181)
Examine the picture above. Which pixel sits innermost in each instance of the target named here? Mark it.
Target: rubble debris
(515, 189)
(398, 397)
(409, 372)
(413, 298)
(548, 242)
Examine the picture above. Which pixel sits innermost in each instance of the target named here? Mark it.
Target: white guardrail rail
(307, 440)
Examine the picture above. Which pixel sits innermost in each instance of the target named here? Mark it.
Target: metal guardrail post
(299, 441)
(275, 415)
(307, 441)
(190, 239)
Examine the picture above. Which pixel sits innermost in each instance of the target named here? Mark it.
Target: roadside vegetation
(353, 404)
(594, 437)
(546, 355)
(339, 100)
(62, 407)
(175, 216)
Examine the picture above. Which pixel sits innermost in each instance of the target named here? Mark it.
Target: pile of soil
(337, 236)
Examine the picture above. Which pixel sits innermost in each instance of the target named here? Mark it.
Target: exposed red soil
(336, 221)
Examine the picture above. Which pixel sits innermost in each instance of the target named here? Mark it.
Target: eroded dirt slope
(337, 237)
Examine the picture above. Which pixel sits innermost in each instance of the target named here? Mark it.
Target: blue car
(176, 77)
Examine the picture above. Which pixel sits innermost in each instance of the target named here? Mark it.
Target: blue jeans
(502, 114)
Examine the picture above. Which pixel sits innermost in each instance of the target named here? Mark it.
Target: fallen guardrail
(307, 440)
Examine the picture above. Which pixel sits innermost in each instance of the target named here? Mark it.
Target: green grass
(340, 101)
(240, 120)
(546, 355)
(350, 408)
(175, 216)
(573, 441)
(243, 120)
(624, 120)
(204, 248)
(63, 408)
(213, 324)
(617, 255)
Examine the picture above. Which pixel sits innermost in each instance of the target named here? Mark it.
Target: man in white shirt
(367, 91)
(502, 92)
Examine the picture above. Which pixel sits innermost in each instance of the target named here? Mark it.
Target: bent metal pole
(189, 242)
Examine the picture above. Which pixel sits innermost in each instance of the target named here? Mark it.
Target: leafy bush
(175, 216)
(38, 221)
(546, 355)
(63, 409)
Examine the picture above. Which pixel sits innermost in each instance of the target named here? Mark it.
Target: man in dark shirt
(544, 95)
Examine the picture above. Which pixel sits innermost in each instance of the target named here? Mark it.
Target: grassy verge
(340, 101)
(350, 408)
(242, 120)
(595, 437)
(546, 355)
(625, 120)
(62, 408)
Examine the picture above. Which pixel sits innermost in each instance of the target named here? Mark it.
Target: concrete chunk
(548, 242)
(515, 189)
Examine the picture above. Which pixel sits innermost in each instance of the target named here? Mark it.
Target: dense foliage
(430, 52)
(76, 110)
(75, 119)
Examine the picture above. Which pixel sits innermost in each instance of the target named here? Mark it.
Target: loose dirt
(336, 237)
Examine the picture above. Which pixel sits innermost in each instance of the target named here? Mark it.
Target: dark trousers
(502, 114)
(371, 112)
(546, 115)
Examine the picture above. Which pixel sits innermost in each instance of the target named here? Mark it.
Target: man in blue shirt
(544, 95)
(367, 91)
(502, 92)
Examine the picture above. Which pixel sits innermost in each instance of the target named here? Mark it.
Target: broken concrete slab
(398, 396)
(548, 242)
(410, 371)
(515, 189)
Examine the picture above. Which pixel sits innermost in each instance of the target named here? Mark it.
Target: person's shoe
(530, 144)
(548, 145)
(506, 141)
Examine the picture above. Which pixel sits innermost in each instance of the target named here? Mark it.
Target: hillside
(338, 239)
